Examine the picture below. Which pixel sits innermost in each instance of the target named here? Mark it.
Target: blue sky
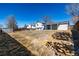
(27, 13)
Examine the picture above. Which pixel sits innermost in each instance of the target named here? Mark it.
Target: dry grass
(36, 41)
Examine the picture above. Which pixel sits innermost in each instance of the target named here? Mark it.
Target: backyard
(46, 42)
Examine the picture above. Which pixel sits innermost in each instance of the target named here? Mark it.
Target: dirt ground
(44, 43)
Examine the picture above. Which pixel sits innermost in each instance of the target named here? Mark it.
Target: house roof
(65, 22)
(51, 23)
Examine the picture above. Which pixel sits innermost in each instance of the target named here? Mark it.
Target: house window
(48, 27)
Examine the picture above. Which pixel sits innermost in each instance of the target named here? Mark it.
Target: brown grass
(36, 41)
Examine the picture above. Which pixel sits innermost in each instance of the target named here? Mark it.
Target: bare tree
(73, 10)
(11, 22)
(46, 19)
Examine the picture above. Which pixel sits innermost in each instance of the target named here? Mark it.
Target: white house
(33, 27)
(39, 26)
(63, 26)
(49, 26)
(29, 26)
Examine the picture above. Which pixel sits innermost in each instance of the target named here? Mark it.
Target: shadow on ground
(10, 47)
(75, 36)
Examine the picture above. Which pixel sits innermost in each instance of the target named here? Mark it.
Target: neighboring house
(29, 26)
(39, 26)
(51, 26)
(57, 26)
(63, 26)
(33, 27)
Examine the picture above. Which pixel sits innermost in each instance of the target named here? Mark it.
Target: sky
(28, 13)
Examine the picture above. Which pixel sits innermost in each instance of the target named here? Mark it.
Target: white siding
(29, 26)
(39, 26)
(63, 27)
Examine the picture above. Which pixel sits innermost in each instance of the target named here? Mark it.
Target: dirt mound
(61, 44)
(62, 36)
